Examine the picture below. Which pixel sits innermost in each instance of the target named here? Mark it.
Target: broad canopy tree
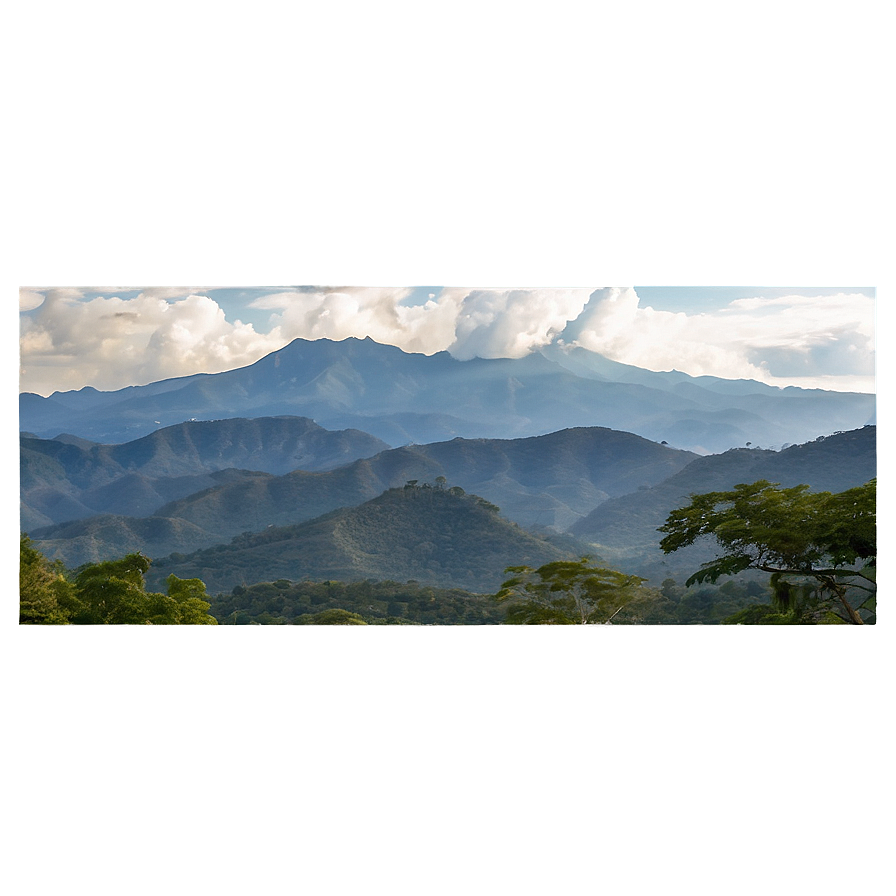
(815, 545)
(567, 592)
(45, 596)
(109, 593)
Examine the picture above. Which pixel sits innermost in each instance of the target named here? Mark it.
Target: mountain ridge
(364, 384)
(548, 480)
(625, 528)
(68, 477)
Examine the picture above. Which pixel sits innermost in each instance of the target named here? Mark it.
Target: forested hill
(549, 480)
(435, 536)
(624, 529)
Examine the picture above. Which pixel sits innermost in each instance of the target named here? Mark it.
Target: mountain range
(608, 491)
(414, 467)
(403, 397)
(69, 478)
(548, 481)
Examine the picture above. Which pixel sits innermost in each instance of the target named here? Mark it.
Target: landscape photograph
(450, 456)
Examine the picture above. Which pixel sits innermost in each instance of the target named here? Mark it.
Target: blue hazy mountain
(403, 397)
(547, 481)
(68, 478)
(624, 529)
(392, 536)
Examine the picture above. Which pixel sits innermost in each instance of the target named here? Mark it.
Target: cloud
(69, 340)
(340, 312)
(513, 322)
(815, 338)
(172, 292)
(486, 323)
(29, 299)
(277, 301)
(108, 343)
(614, 324)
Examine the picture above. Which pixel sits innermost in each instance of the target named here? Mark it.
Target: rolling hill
(548, 481)
(431, 535)
(623, 529)
(69, 478)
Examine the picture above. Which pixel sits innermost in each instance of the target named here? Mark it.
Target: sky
(112, 337)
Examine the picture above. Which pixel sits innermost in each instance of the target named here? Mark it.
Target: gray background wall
(451, 142)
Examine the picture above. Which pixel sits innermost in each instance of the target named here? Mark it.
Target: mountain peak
(402, 397)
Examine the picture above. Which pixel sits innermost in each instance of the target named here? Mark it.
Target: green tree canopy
(109, 593)
(567, 592)
(45, 597)
(190, 601)
(333, 616)
(112, 592)
(816, 545)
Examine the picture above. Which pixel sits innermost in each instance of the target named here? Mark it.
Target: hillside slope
(623, 529)
(68, 478)
(430, 535)
(548, 481)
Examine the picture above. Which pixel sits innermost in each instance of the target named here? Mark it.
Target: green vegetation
(45, 596)
(706, 604)
(623, 529)
(568, 592)
(791, 557)
(820, 548)
(109, 593)
(375, 603)
(428, 534)
(412, 603)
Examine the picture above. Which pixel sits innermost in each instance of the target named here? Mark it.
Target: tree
(567, 592)
(113, 592)
(820, 548)
(191, 599)
(45, 597)
(334, 616)
(109, 593)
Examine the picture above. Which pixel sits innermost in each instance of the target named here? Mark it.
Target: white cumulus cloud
(338, 313)
(510, 323)
(69, 340)
(110, 342)
(815, 341)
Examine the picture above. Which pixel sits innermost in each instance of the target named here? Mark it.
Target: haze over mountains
(608, 490)
(403, 397)
(69, 478)
(263, 497)
(624, 529)
(549, 480)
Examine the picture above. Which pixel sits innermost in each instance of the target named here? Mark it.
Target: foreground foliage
(109, 593)
(820, 548)
(45, 596)
(568, 592)
(391, 603)
(284, 602)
